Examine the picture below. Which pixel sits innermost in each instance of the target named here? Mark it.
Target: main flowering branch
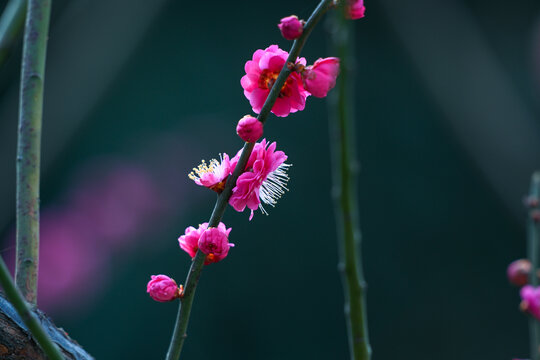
(345, 197)
(194, 273)
(29, 146)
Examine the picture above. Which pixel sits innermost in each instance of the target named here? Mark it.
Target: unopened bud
(291, 28)
(162, 288)
(356, 9)
(249, 129)
(518, 272)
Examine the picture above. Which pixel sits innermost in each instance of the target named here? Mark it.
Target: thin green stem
(194, 273)
(345, 167)
(29, 146)
(11, 24)
(533, 248)
(14, 296)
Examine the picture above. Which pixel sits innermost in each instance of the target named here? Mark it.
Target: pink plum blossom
(214, 242)
(249, 129)
(518, 272)
(214, 175)
(189, 242)
(265, 178)
(530, 303)
(261, 74)
(356, 9)
(320, 77)
(162, 288)
(291, 28)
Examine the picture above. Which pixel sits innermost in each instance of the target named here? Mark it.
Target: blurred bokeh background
(138, 92)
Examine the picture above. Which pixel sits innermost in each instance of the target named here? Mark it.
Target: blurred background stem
(15, 297)
(179, 333)
(533, 246)
(29, 146)
(11, 24)
(344, 170)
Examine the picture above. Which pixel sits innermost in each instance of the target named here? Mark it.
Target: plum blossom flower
(213, 175)
(189, 242)
(356, 9)
(265, 178)
(261, 74)
(214, 242)
(291, 28)
(162, 288)
(320, 77)
(530, 303)
(249, 129)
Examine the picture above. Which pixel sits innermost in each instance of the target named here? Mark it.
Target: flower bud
(530, 300)
(518, 272)
(214, 243)
(291, 28)
(356, 9)
(249, 129)
(320, 77)
(162, 288)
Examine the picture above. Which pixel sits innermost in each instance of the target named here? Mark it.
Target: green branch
(190, 286)
(533, 247)
(15, 297)
(344, 169)
(29, 146)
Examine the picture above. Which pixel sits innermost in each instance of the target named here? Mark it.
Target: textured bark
(16, 342)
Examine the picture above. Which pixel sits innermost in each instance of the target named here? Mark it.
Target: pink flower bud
(214, 243)
(518, 272)
(530, 303)
(162, 288)
(356, 9)
(249, 129)
(291, 28)
(320, 77)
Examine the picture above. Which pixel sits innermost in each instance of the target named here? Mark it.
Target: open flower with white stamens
(213, 175)
(265, 179)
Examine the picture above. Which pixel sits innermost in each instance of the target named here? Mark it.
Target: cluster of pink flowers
(214, 242)
(264, 68)
(264, 178)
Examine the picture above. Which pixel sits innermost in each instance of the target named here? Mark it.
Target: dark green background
(437, 233)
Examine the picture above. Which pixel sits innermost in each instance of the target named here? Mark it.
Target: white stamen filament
(273, 188)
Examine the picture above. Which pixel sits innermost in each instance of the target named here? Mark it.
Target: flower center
(268, 79)
(214, 168)
(203, 168)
